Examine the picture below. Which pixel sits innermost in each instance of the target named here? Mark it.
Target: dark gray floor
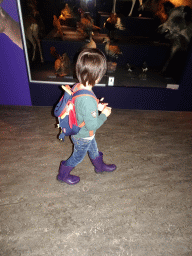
(143, 208)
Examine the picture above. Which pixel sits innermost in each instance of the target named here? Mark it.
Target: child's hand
(106, 111)
(101, 106)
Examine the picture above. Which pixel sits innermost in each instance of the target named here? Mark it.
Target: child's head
(91, 66)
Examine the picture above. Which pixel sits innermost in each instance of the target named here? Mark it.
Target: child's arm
(91, 116)
(106, 111)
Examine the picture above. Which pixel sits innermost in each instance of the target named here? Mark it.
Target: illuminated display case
(60, 29)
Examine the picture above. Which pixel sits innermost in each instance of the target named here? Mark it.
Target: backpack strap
(76, 87)
(83, 92)
(77, 91)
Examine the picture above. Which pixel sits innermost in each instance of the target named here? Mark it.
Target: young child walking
(90, 68)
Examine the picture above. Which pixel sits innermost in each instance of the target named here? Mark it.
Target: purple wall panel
(14, 85)
(10, 6)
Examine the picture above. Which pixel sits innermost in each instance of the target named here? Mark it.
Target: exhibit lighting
(181, 2)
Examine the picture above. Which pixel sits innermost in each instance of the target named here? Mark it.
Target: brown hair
(91, 66)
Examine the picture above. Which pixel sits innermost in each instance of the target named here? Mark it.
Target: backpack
(65, 110)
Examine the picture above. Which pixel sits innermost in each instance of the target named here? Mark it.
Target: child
(90, 68)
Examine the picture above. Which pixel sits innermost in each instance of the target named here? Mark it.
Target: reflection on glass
(54, 32)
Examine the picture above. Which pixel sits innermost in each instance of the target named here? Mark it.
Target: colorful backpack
(65, 110)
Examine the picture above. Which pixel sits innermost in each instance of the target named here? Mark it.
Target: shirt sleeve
(91, 116)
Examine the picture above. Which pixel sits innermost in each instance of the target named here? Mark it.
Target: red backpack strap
(77, 92)
(82, 124)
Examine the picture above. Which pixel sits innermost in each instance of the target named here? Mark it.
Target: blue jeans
(81, 147)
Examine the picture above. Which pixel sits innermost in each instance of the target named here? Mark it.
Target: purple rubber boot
(65, 176)
(100, 166)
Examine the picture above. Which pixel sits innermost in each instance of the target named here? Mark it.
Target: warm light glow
(161, 13)
(181, 2)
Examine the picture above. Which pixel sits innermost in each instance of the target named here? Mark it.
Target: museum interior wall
(16, 87)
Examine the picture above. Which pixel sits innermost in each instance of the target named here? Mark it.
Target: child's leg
(97, 159)
(81, 147)
(93, 149)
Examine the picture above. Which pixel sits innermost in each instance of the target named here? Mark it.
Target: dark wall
(121, 97)
(14, 86)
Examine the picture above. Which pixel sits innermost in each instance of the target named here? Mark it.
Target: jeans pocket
(80, 141)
